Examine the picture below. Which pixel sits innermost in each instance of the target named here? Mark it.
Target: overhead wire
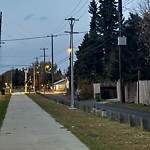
(125, 4)
(78, 11)
(62, 25)
(28, 38)
(63, 60)
(82, 38)
(32, 38)
(80, 18)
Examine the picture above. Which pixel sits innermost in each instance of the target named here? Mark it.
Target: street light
(70, 50)
(47, 67)
(71, 22)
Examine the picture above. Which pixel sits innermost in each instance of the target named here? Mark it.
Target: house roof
(60, 81)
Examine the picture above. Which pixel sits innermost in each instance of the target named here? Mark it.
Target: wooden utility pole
(52, 42)
(120, 46)
(0, 27)
(44, 49)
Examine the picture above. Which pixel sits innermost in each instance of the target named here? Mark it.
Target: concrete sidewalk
(28, 127)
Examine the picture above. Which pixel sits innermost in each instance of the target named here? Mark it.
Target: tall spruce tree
(96, 51)
(144, 50)
(135, 56)
(81, 65)
(131, 56)
(107, 24)
(89, 64)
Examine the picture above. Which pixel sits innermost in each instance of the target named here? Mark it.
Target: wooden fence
(138, 92)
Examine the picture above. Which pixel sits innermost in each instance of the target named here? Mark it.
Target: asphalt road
(137, 115)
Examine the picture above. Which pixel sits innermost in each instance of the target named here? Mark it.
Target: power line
(81, 8)
(61, 26)
(75, 7)
(30, 38)
(63, 60)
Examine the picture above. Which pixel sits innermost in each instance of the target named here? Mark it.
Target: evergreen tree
(89, 64)
(93, 25)
(131, 57)
(144, 37)
(95, 42)
(107, 24)
(81, 67)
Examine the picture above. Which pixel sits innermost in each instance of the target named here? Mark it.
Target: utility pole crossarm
(71, 20)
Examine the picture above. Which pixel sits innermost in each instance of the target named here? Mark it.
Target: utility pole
(44, 49)
(35, 73)
(11, 79)
(34, 77)
(26, 86)
(0, 27)
(70, 66)
(120, 47)
(52, 42)
(138, 89)
(72, 22)
(121, 42)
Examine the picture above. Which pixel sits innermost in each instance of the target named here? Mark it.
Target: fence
(138, 92)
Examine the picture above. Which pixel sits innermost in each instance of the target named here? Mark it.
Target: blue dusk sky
(37, 18)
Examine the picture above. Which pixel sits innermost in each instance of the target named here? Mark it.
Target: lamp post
(71, 22)
(69, 50)
(34, 78)
(26, 71)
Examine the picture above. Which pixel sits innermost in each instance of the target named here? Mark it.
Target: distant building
(106, 90)
(61, 85)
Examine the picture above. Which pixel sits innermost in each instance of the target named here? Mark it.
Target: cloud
(43, 18)
(34, 18)
(28, 17)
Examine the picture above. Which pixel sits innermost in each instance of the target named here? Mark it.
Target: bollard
(98, 112)
(130, 120)
(104, 113)
(111, 115)
(88, 109)
(144, 124)
(120, 117)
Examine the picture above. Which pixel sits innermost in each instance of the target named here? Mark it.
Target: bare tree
(143, 6)
(143, 9)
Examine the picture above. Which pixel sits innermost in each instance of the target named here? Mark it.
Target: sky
(40, 18)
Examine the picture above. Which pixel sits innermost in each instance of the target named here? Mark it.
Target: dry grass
(4, 101)
(96, 133)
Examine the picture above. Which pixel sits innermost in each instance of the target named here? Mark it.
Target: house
(61, 85)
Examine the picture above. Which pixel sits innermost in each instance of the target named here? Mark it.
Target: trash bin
(3, 91)
(98, 97)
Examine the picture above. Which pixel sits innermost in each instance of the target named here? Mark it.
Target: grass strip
(4, 101)
(97, 133)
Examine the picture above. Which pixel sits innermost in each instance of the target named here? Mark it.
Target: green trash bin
(98, 97)
(3, 91)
